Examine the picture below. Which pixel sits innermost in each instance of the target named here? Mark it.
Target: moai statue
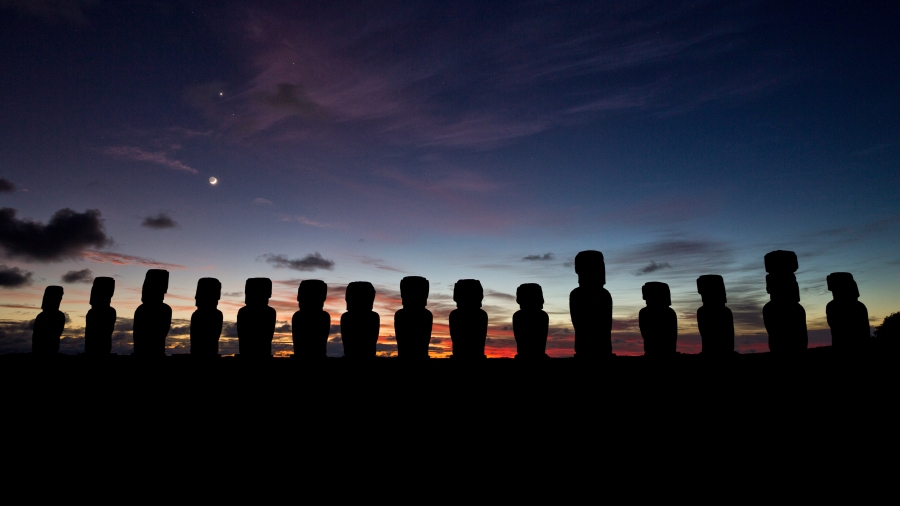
(847, 316)
(468, 322)
(206, 322)
(658, 322)
(590, 306)
(153, 318)
(413, 322)
(100, 321)
(714, 319)
(49, 324)
(783, 316)
(360, 325)
(256, 320)
(530, 323)
(311, 325)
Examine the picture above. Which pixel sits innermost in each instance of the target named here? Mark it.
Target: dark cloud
(652, 267)
(13, 277)
(538, 258)
(15, 336)
(71, 11)
(310, 262)
(6, 186)
(159, 221)
(66, 236)
(82, 276)
(283, 328)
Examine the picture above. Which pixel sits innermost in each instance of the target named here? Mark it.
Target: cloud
(538, 258)
(66, 235)
(305, 221)
(82, 276)
(379, 264)
(14, 277)
(140, 155)
(310, 262)
(122, 259)
(262, 202)
(52, 10)
(6, 186)
(652, 267)
(159, 222)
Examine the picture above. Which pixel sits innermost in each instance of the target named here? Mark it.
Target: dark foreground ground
(732, 423)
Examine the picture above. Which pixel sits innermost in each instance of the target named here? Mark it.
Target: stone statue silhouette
(714, 320)
(530, 323)
(658, 322)
(49, 324)
(100, 321)
(783, 316)
(468, 322)
(256, 320)
(590, 306)
(153, 318)
(412, 323)
(311, 324)
(360, 325)
(847, 316)
(206, 322)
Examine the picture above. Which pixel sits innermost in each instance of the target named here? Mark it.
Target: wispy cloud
(122, 259)
(652, 267)
(378, 264)
(304, 221)
(140, 155)
(262, 202)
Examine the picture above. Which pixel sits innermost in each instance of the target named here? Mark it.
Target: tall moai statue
(153, 318)
(847, 316)
(714, 320)
(206, 322)
(256, 320)
(783, 316)
(530, 323)
(468, 322)
(49, 324)
(311, 324)
(658, 322)
(590, 306)
(413, 322)
(360, 325)
(100, 321)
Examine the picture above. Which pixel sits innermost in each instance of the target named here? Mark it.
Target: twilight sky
(488, 140)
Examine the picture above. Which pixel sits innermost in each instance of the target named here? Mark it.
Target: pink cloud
(121, 259)
(139, 155)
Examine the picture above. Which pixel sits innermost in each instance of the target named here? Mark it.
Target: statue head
(311, 294)
(711, 288)
(467, 293)
(656, 294)
(52, 298)
(257, 291)
(530, 296)
(414, 291)
(590, 267)
(209, 291)
(102, 291)
(360, 296)
(156, 284)
(842, 286)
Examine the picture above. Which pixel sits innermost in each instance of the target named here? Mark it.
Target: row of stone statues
(590, 306)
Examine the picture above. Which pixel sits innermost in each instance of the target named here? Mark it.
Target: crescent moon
(213, 180)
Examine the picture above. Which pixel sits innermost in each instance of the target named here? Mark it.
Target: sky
(368, 141)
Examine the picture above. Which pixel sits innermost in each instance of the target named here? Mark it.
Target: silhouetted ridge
(468, 322)
(256, 320)
(413, 323)
(714, 320)
(590, 306)
(153, 318)
(100, 320)
(360, 325)
(206, 321)
(783, 316)
(49, 323)
(847, 316)
(658, 321)
(311, 324)
(530, 323)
